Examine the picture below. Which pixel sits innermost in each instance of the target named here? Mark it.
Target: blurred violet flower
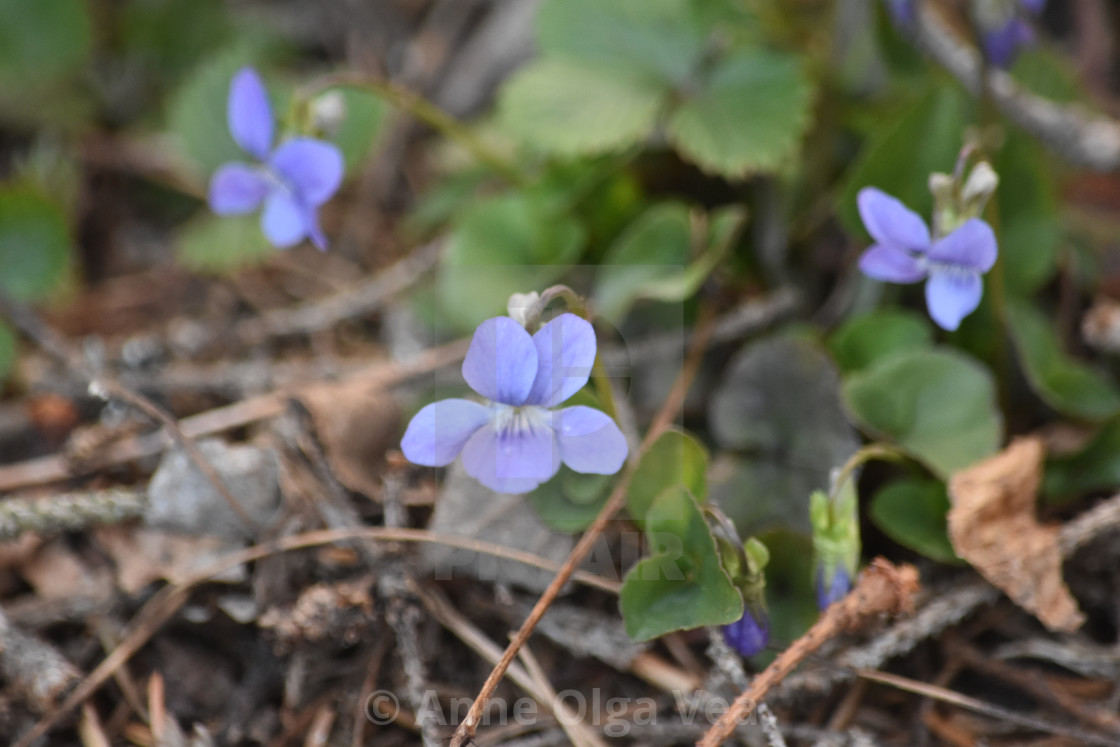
(902, 12)
(750, 634)
(516, 441)
(291, 180)
(1004, 30)
(904, 253)
(832, 587)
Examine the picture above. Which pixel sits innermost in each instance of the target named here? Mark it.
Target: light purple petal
(249, 115)
(437, 433)
(1033, 6)
(513, 462)
(973, 245)
(952, 296)
(890, 222)
(1001, 45)
(314, 232)
(312, 168)
(501, 362)
(891, 265)
(565, 353)
(589, 440)
(283, 220)
(236, 189)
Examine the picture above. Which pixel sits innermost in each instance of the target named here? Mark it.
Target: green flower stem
(881, 451)
(426, 112)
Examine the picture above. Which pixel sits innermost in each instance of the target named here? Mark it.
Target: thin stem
(426, 112)
(866, 454)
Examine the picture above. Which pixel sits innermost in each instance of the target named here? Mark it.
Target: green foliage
(570, 501)
(903, 150)
(867, 339)
(912, 512)
(675, 458)
(1094, 467)
(197, 115)
(42, 43)
(34, 243)
(608, 71)
(1030, 233)
(749, 116)
(500, 246)
(778, 408)
(939, 405)
(1062, 382)
(363, 116)
(7, 350)
(220, 244)
(651, 258)
(168, 36)
(682, 584)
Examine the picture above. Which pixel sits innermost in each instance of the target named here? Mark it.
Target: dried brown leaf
(356, 421)
(992, 525)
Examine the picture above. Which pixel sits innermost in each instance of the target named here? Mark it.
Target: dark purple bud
(902, 12)
(748, 636)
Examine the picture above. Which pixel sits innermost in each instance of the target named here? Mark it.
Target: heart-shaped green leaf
(681, 585)
(863, 341)
(939, 405)
(912, 513)
(675, 458)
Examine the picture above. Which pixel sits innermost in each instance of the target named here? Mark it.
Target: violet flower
(1004, 35)
(749, 634)
(516, 440)
(291, 181)
(904, 253)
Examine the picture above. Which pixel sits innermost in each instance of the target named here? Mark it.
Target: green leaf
(34, 243)
(7, 350)
(220, 244)
(675, 458)
(42, 40)
(571, 501)
(1095, 467)
(868, 338)
(904, 149)
(500, 246)
(939, 405)
(749, 115)
(575, 109)
(1063, 383)
(1030, 229)
(682, 584)
(778, 407)
(197, 114)
(365, 113)
(912, 513)
(658, 37)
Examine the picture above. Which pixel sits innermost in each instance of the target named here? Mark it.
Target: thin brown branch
(881, 588)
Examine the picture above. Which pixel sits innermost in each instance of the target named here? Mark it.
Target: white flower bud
(521, 305)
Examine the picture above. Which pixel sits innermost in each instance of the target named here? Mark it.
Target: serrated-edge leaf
(573, 109)
(749, 116)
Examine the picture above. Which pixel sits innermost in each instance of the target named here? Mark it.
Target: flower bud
(520, 306)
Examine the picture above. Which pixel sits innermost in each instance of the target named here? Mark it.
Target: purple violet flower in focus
(516, 441)
(904, 253)
(291, 180)
(749, 634)
(831, 590)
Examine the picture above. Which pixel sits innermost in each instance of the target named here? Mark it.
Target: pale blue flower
(291, 181)
(905, 253)
(516, 440)
(831, 587)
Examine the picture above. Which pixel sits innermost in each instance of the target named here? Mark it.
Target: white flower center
(510, 420)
